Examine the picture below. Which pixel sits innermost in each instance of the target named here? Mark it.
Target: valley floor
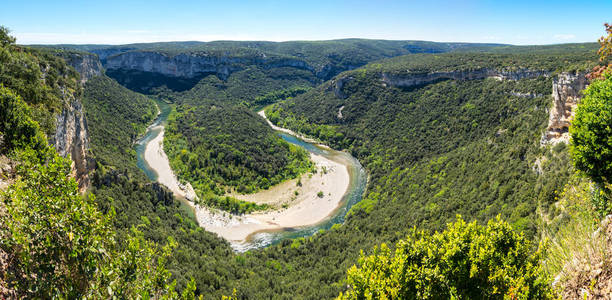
(316, 197)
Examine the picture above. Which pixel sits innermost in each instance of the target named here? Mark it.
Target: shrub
(467, 261)
(591, 132)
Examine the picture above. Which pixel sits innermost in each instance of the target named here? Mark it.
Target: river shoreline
(318, 199)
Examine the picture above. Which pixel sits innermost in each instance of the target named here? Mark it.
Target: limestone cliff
(71, 136)
(337, 85)
(566, 92)
(418, 79)
(188, 65)
(88, 65)
(195, 65)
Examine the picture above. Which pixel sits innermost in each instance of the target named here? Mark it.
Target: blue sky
(119, 22)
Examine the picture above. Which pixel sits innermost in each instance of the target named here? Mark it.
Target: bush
(591, 131)
(467, 261)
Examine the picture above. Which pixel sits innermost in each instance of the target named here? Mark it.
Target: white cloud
(564, 37)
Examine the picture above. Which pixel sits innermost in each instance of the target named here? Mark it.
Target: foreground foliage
(56, 242)
(466, 261)
(591, 132)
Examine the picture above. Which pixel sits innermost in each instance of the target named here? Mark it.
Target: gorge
(338, 176)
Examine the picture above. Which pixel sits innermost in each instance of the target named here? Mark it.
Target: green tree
(467, 261)
(16, 127)
(606, 43)
(5, 38)
(60, 245)
(54, 242)
(591, 132)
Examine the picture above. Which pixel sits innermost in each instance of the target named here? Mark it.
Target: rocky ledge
(566, 92)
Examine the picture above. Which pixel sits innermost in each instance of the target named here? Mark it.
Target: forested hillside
(440, 135)
(430, 150)
(55, 242)
(219, 148)
(433, 148)
(116, 117)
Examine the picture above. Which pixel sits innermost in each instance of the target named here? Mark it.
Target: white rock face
(88, 65)
(418, 79)
(71, 138)
(567, 92)
(190, 65)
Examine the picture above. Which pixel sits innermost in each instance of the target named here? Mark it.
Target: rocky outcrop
(526, 95)
(188, 65)
(410, 80)
(337, 86)
(71, 138)
(7, 171)
(196, 65)
(88, 65)
(567, 92)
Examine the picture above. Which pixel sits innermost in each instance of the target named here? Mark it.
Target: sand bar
(317, 198)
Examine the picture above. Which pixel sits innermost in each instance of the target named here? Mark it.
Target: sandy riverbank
(304, 209)
(155, 156)
(262, 113)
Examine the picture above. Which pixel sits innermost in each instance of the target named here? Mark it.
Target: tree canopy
(591, 132)
(466, 261)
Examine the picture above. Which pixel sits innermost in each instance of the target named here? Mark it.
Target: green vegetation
(62, 246)
(40, 78)
(233, 205)
(578, 60)
(215, 148)
(432, 151)
(116, 116)
(53, 241)
(466, 261)
(17, 129)
(591, 145)
(247, 86)
(273, 97)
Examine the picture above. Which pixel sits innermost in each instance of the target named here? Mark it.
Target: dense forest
(116, 117)
(217, 143)
(217, 148)
(55, 241)
(432, 151)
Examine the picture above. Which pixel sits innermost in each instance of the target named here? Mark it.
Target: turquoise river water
(357, 184)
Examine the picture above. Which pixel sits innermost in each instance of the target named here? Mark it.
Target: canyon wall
(71, 135)
(189, 65)
(88, 65)
(566, 92)
(419, 79)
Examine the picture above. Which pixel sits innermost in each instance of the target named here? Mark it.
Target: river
(264, 238)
